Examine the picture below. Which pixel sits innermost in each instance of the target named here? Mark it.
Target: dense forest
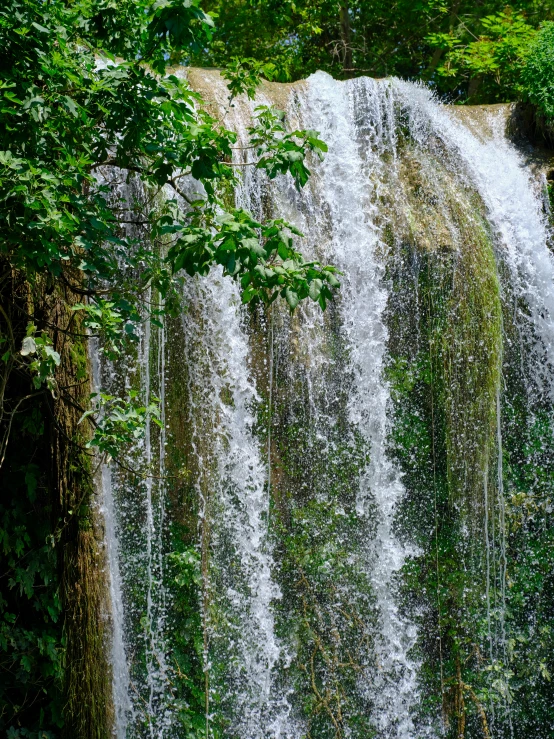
(95, 100)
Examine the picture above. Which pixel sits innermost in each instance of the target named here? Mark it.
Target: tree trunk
(88, 706)
(473, 89)
(346, 38)
(437, 54)
(64, 501)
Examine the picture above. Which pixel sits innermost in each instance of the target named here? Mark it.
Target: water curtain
(336, 507)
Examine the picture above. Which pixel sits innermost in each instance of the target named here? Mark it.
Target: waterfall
(154, 624)
(232, 485)
(282, 566)
(513, 199)
(120, 671)
(357, 120)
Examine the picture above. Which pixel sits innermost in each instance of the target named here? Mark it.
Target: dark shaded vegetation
(482, 52)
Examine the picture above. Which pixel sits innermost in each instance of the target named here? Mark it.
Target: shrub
(537, 76)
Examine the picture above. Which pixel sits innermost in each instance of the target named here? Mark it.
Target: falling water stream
(265, 412)
(232, 485)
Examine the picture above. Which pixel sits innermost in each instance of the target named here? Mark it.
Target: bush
(537, 76)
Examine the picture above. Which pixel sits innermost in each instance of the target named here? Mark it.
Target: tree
(464, 50)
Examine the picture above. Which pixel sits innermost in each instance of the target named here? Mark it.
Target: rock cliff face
(335, 527)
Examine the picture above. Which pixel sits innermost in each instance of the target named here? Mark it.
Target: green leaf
(40, 28)
(315, 289)
(28, 346)
(70, 105)
(291, 298)
(331, 279)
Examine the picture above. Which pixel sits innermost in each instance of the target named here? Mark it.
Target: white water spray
(514, 200)
(233, 484)
(356, 119)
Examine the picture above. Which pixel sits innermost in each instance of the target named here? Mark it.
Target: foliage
(330, 612)
(280, 152)
(441, 596)
(528, 436)
(466, 50)
(71, 119)
(537, 76)
(30, 614)
(327, 613)
(483, 607)
(244, 76)
(494, 59)
(31, 652)
(119, 423)
(269, 268)
(188, 647)
(44, 358)
(116, 115)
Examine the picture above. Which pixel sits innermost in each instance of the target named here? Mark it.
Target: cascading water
(154, 624)
(232, 485)
(516, 213)
(357, 119)
(230, 480)
(321, 544)
(135, 519)
(513, 199)
(120, 671)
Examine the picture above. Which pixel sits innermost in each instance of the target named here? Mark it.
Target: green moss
(528, 444)
(550, 195)
(466, 350)
(326, 616)
(445, 343)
